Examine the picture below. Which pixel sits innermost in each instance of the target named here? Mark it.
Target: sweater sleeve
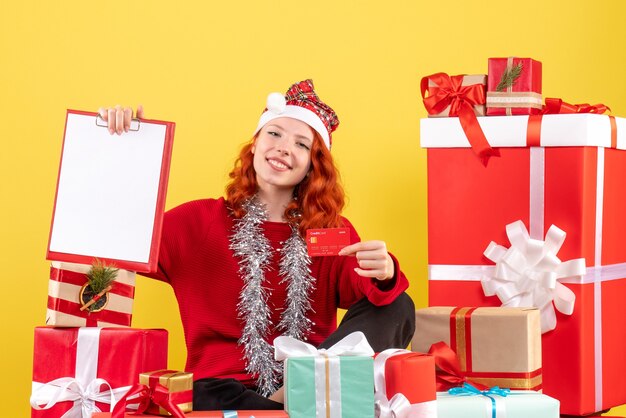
(351, 287)
(184, 228)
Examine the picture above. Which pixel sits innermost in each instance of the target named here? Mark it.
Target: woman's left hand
(373, 258)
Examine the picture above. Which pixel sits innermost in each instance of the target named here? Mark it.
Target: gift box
(445, 95)
(565, 170)
(472, 86)
(337, 382)
(494, 346)
(78, 371)
(179, 389)
(68, 293)
(514, 86)
(404, 384)
(212, 414)
(494, 403)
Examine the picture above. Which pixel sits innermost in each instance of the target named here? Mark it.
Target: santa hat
(301, 103)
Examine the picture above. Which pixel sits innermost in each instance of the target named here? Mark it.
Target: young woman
(239, 266)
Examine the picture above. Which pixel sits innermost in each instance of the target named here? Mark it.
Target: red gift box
(67, 280)
(573, 180)
(405, 381)
(86, 369)
(523, 95)
(212, 414)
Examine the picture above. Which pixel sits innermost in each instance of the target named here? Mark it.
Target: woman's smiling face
(282, 153)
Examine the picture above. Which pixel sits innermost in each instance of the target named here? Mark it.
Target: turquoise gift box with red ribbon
(541, 225)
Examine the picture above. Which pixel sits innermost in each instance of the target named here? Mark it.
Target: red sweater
(196, 260)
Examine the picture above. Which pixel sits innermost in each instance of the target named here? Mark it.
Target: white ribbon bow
(527, 274)
(354, 344)
(70, 389)
(83, 389)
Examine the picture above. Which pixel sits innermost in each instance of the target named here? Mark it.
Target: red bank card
(326, 241)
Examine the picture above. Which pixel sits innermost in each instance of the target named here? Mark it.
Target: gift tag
(326, 241)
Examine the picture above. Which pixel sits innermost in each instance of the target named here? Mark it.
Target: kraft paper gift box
(520, 97)
(463, 403)
(213, 414)
(338, 382)
(88, 368)
(473, 86)
(564, 170)
(405, 384)
(495, 346)
(65, 287)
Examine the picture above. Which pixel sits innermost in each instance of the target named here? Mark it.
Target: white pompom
(276, 103)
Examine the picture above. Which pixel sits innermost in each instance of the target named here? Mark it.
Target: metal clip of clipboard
(103, 124)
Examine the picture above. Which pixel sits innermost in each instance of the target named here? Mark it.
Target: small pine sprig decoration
(100, 276)
(509, 77)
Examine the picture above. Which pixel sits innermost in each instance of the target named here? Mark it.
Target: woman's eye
(273, 133)
(303, 145)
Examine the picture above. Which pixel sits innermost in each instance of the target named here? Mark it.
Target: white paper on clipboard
(111, 193)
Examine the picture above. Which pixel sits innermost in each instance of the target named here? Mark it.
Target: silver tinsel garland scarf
(255, 253)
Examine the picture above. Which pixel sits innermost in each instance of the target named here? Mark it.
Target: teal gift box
(485, 404)
(333, 383)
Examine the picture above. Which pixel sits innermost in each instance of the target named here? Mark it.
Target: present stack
(87, 357)
(537, 225)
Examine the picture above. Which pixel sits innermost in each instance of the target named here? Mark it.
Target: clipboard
(110, 194)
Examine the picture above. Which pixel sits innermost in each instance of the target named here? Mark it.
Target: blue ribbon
(469, 390)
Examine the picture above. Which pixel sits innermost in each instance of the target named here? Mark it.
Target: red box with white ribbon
(574, 177)
(78, 371)
(66, 288)
(404, 384)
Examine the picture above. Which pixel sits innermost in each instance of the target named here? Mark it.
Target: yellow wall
(210, 66)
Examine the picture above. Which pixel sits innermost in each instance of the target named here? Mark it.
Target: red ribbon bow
(448, 368)
(145, 395)
(449, 91)
(556, 106)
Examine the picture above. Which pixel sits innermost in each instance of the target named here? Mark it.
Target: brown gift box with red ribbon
(66, 297)
(494, 346)
(472, 86)
(461, 96)
(513, 86)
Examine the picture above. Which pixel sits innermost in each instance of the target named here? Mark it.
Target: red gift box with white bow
(490, 233)
(79, 371)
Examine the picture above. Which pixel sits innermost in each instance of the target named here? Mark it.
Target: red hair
(319, 198)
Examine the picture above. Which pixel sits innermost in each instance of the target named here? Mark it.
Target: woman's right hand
(118, 118)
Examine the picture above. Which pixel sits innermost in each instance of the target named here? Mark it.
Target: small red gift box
(405, 384)
(569, 171)
(86, 369)
(514, 86)
(65, 298)
(213, 414)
